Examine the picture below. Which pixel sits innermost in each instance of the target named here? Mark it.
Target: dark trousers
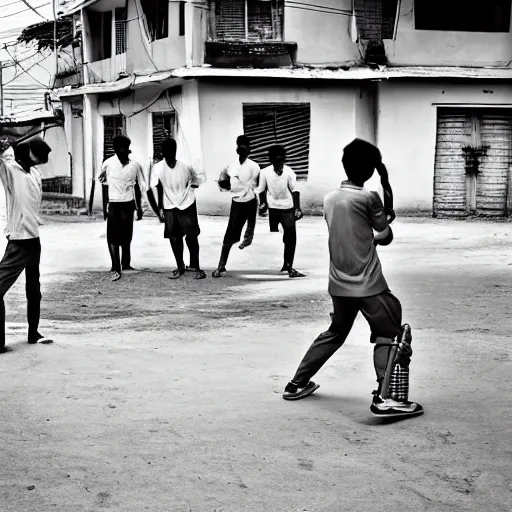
(22, 255)
(383, 313)
(287, 220)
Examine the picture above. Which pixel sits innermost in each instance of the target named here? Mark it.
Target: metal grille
(112, 126)
(163, 128)
(288, 124)
(254, 20)
(120, 30)
(376, 18)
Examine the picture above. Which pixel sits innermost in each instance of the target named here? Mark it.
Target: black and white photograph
(256, 255)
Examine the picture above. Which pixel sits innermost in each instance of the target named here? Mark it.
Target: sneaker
(293, 392)
(389, 408)
(40, 339)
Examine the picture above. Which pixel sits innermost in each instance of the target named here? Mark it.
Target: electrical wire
(24, 10)
(33, 9)
(35, 79)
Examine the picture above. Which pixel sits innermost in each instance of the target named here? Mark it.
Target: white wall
(407, 131)
(439, 48)
(332, 127)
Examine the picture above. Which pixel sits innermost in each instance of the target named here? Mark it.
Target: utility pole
(55, 54)
(1, 89)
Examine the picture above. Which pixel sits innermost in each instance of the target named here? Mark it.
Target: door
(473, 155)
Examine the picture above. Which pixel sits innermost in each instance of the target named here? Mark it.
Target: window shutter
(120, 30)
(163, 128)
(259, 14)
(230, 19)
(286, 124)
(112, 126)
(376, 18)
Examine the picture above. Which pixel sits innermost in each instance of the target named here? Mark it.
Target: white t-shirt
(177, 183)
(121, 179)
(243, 179)
(23, 194)
(279, 188)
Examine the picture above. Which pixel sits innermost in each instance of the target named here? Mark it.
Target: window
(376, 18)
(156, 14)
(163, 128)
(463, 15)
(279, 123)
(120, 30)
(254, 20)
(112, 126)
(100, 25)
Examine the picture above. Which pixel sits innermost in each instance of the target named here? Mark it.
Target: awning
(71, 6)
(132, 82)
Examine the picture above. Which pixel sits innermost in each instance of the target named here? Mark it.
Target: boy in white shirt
(240, 179)
(122, 174)
(23, 191)
(178, 181)
(278, 195)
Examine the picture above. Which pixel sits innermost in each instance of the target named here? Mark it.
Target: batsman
(358, 222)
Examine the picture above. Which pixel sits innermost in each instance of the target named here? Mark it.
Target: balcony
(256, 54)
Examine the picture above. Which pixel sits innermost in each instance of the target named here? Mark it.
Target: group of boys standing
(171, 196)
(353, 215)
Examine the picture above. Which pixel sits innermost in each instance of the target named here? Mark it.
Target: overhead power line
(33, 9)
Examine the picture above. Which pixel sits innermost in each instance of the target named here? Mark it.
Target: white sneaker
(389, 408)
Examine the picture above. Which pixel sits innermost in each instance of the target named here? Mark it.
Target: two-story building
(430, 83)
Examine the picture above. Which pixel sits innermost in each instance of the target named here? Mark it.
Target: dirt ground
(164, 396)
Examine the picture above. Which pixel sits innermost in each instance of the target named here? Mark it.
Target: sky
(15, 15)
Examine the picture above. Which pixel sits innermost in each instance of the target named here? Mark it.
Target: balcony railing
(256, 54)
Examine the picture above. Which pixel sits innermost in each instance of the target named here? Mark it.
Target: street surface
(165, 396)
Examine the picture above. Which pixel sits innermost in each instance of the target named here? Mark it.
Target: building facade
(430, 86)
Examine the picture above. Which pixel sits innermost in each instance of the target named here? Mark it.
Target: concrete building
(429, 84)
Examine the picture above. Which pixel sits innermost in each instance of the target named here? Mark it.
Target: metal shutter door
(492, 181)
(163, 128)
(230, 19)
(289, 125)
(453, 133)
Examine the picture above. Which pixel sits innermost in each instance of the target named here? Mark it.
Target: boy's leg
(114, 227)
(174, 233)
(252, 213)
(177, 249)
(233, 233)
(33, 292)
(116, 261)
(12, 265)
(189, 222)
(325, 345)
(384, 314)
(290, 242)
(127, 214)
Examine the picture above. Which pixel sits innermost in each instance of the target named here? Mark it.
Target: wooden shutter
(492, 180)
(281, 123)
(120, 30)
(230, 19)
(163, 128)
(112, 126)
(453, 133)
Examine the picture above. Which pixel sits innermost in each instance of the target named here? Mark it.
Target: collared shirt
(23, 195)
(352, 213)
(243, 178)
(279, 188)
(121, 179)
(177, 183)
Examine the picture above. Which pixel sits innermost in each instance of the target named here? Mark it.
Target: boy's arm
(262, 192)
(379, 221)
(292, 183)
(388, 192)
(154, 183)
(224, 181)
(197, 177)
